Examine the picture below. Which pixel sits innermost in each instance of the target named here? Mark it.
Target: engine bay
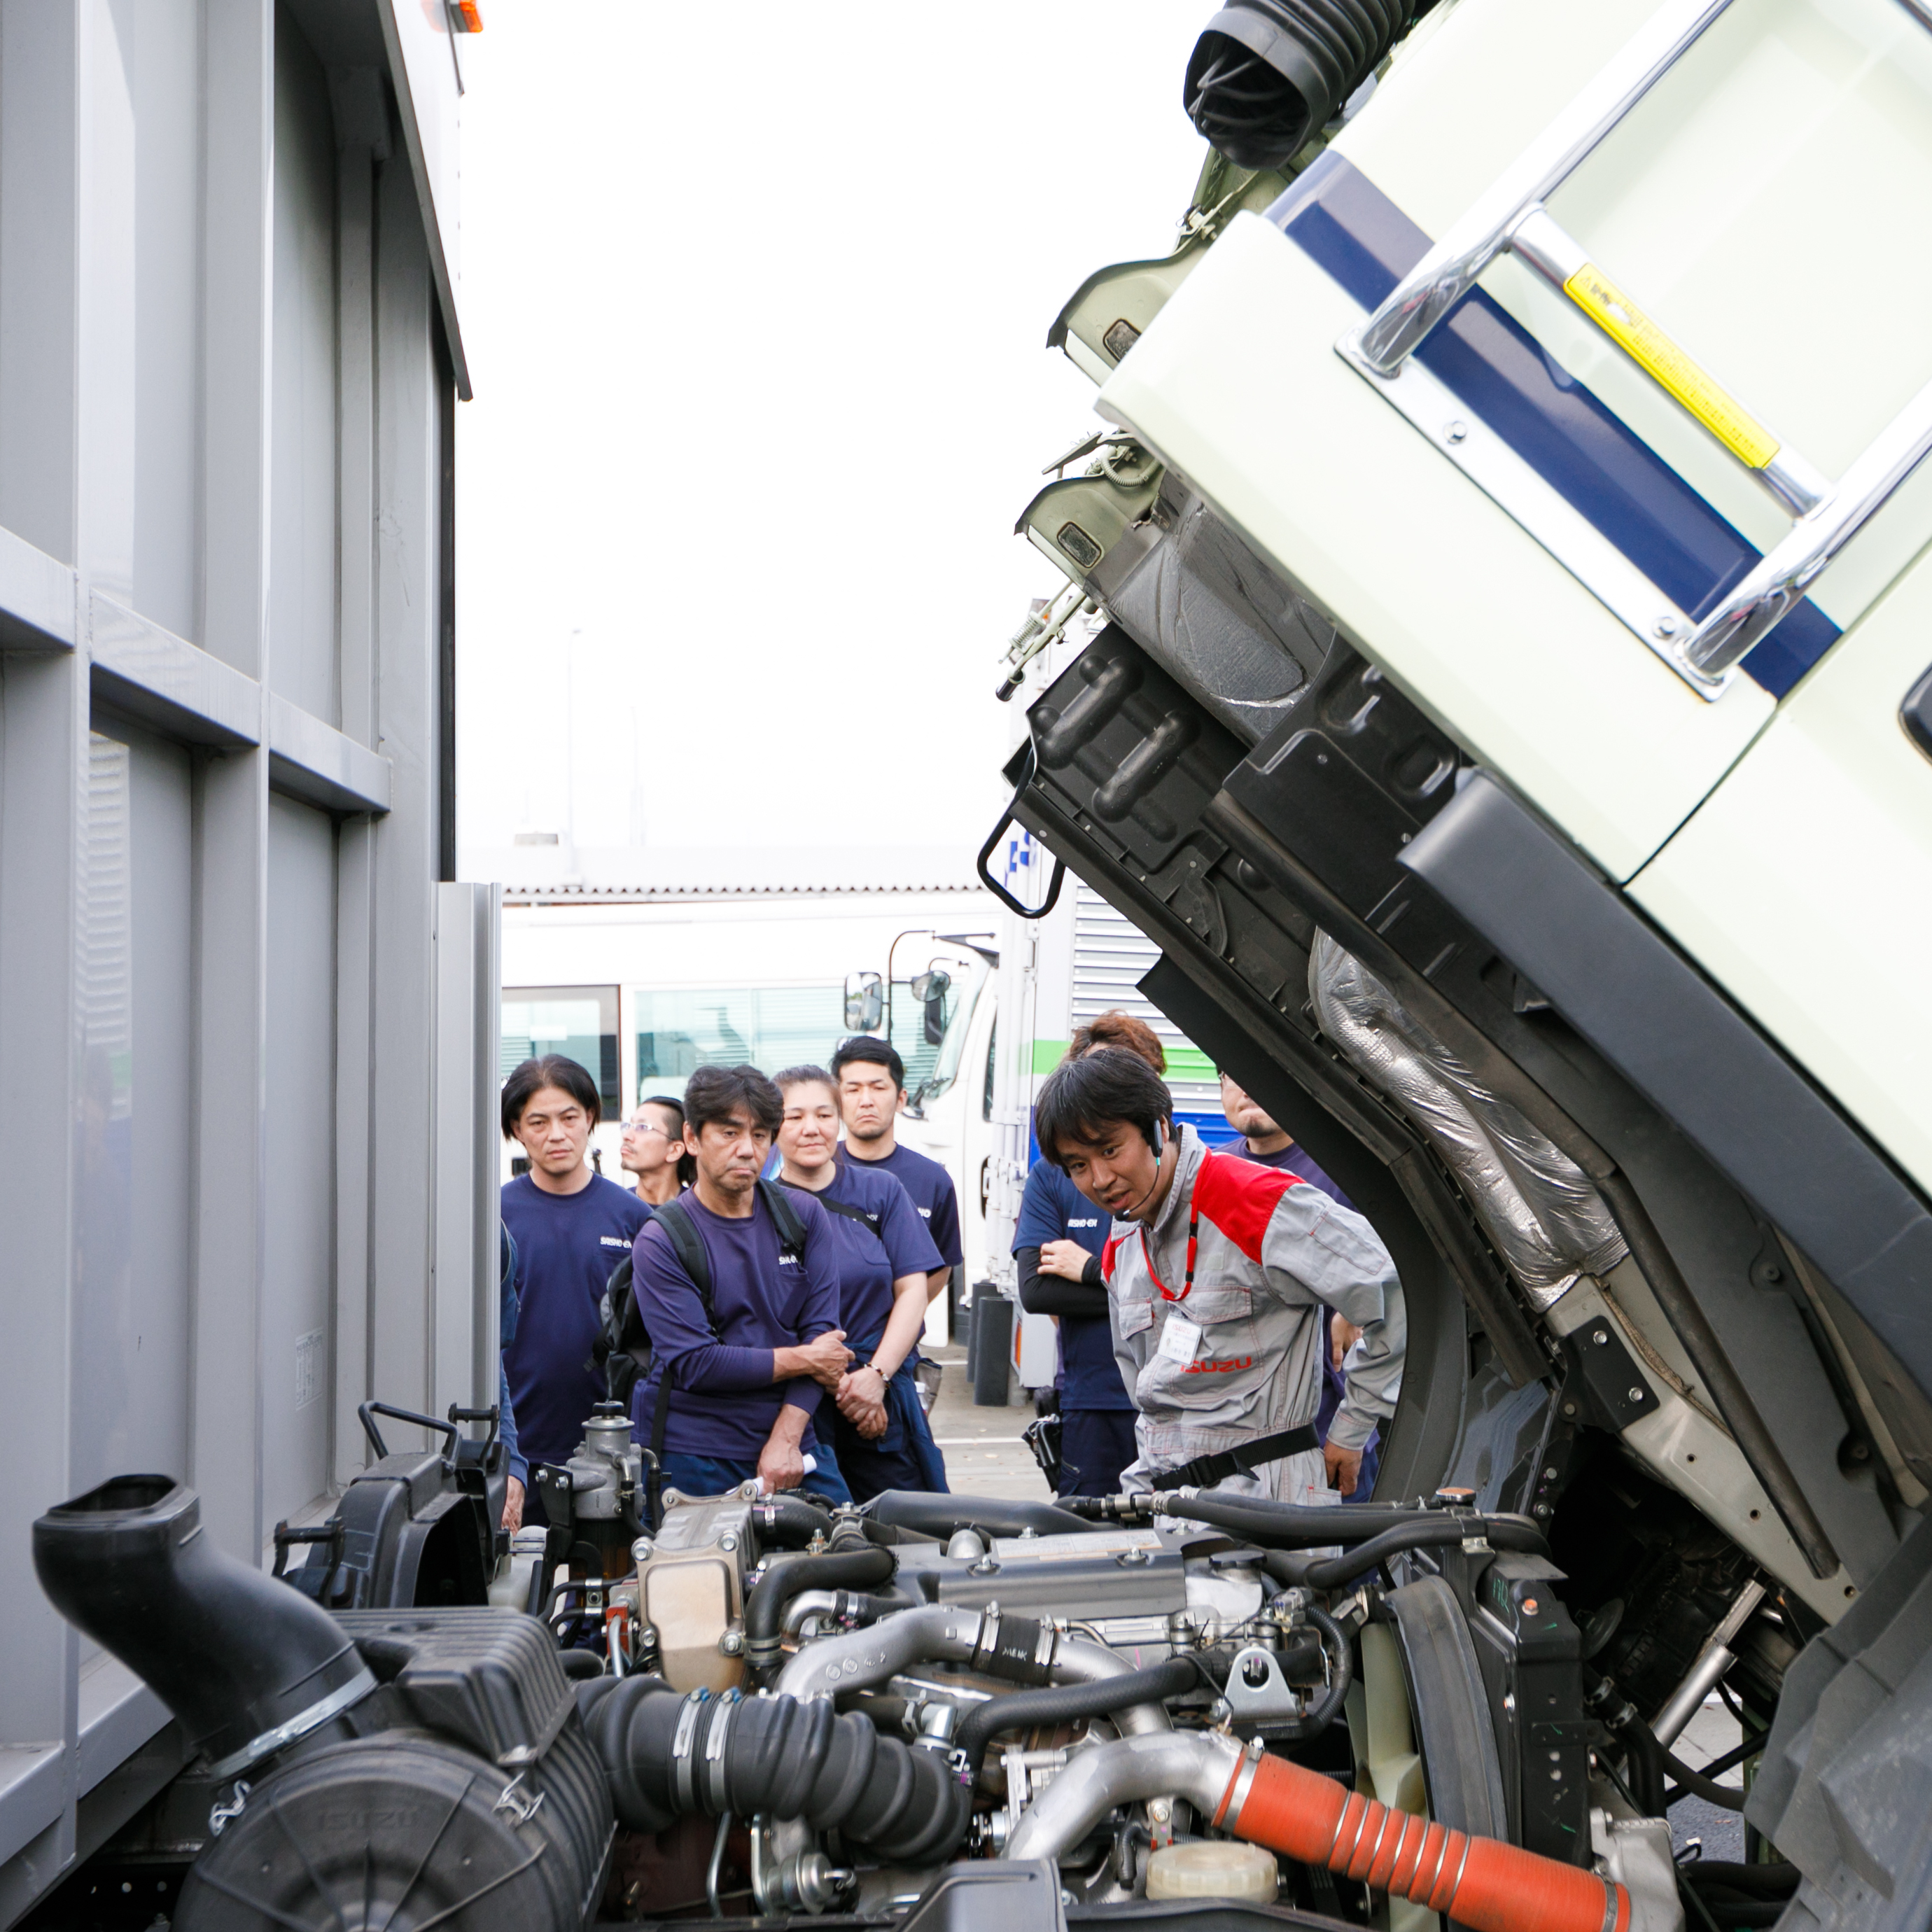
(941, 1709)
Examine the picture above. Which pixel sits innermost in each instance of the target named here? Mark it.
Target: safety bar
(1784, 575)
(1540, 242)
(1449, 271)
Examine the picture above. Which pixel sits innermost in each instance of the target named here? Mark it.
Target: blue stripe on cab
(1587, 454)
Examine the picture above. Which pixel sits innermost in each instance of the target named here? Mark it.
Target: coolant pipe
(856, 1564)
(1478, 1883)
(247, 1664)
(1021, 1649)
(939, 1516)
(1057, 1703)
(1264, 1520)
(848, 1607)
(789, 1523)
(1330, 1572)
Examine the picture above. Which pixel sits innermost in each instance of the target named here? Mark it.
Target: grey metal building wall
(247, 1034)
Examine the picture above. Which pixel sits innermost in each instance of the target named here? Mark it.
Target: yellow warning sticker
(1633, 331)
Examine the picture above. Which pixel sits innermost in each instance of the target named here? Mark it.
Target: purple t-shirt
(722, 1400)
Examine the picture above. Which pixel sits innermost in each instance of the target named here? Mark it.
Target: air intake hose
(1266, 74)
(667, 1754)
(248, 1664)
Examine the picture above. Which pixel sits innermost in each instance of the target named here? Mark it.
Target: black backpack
(622, 1349)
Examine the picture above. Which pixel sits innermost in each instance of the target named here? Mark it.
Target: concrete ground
(984, 1454)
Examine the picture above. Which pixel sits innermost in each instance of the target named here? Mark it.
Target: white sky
(755, 312)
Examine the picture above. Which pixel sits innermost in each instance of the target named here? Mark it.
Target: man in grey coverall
(1215, 1273)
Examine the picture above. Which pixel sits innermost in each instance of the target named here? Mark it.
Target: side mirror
(864, 1002)
(930, 989)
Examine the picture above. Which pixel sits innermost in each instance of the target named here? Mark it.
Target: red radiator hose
(1480, 1882)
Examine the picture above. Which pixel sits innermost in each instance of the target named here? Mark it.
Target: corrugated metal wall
(1111, 954)
(246, 1171)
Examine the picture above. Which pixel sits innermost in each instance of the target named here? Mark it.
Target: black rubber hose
(1327, 1573)
(939, 1516)
(773, 1755)
(1324, 1713)
(1767, 1881)
(786, 1522)
(1288, 1525)
(1059, 1703)
(854, 1567)
(233, 1654)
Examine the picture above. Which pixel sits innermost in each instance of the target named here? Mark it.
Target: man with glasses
(653, 1149)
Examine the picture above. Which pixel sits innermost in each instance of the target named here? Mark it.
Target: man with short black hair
(737, 1284)
(571, 1227)
(871, 1079)
(1216, 1291)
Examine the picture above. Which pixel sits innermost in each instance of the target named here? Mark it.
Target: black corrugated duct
(1266, 74)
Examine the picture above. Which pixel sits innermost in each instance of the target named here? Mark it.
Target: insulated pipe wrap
(666, 1755)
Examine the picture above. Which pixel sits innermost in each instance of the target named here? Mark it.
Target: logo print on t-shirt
(612, 1241)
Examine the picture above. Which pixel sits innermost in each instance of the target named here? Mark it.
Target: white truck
(1512, 719)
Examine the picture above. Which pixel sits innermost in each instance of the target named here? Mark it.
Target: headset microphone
(1160, 1145)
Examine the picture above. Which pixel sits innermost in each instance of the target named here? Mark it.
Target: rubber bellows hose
(1266, 74)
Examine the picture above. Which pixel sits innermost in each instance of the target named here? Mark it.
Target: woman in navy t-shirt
(885, 1257)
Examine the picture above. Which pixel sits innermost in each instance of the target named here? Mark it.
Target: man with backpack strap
(737, 1286)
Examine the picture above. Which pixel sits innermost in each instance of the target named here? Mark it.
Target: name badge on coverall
(1180, 1340)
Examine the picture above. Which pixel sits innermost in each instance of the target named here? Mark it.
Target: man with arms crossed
(737, 1373)
(1218, 1270)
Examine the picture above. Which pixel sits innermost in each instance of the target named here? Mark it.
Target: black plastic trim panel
(1689, 1051)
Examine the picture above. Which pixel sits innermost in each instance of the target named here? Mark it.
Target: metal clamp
(520, 1806)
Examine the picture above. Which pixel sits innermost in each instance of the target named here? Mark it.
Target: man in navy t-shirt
(734, 1389)
(571, 1227)
(885, 1258)
(871, 1080)
(1268, 1144)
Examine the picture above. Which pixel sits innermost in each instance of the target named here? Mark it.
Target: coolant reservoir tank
(1204, 1870)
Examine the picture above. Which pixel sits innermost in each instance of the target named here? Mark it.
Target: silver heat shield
(1189, 591)
(1546, 1221)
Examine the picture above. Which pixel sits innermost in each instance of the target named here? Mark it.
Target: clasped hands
(860, 1392)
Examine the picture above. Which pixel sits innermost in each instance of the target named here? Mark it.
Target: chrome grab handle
(1791, 567)
(1447, 273)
